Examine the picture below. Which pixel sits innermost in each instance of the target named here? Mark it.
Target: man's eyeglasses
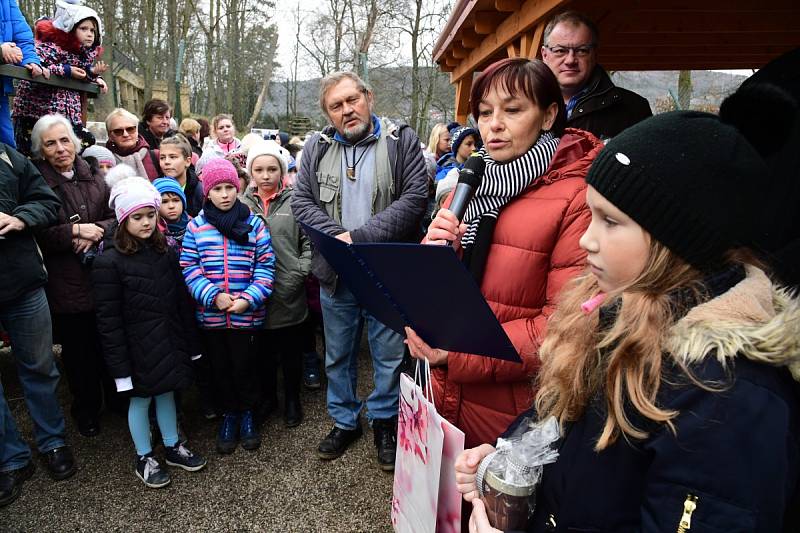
(130, 130)
(581, 51)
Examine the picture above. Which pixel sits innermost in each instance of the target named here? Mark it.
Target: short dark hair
(153, 107)
(128, 244)
(573, 18)
(517, 75)
(205, 129)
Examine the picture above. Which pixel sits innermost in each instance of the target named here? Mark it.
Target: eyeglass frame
(588, 48)
(123, 131)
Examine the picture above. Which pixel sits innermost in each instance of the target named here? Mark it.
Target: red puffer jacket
(534, 252)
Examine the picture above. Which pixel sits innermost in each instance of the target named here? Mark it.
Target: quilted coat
(212, 263)
(144, 318)
(534, 251)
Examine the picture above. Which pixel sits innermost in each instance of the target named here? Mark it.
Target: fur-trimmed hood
(754, 319)
(48, 33)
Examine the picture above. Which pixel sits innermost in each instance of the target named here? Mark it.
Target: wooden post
(531, 41)
(462, 98)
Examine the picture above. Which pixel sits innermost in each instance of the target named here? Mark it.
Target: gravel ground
(282, 486)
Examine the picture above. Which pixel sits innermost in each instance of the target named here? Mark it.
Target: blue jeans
(344, 320)
(27, 321)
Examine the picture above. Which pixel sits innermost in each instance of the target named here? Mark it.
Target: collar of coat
(754, 319)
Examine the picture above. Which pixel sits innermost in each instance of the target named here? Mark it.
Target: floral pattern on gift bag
(417, 466)
(448, 519)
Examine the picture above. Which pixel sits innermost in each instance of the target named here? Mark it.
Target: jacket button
(83, 207)
(580, 110)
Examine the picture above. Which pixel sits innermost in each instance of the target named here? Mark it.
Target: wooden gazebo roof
(634, 35)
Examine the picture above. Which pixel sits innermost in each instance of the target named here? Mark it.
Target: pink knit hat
(219, 171)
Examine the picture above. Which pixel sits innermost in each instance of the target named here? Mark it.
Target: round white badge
(622, 158)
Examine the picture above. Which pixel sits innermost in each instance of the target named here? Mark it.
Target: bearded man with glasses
(593, 102)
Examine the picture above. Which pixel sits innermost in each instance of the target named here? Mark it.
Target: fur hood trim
(48, 33)
(754, 319)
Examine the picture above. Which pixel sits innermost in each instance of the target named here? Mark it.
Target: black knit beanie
(688, 179)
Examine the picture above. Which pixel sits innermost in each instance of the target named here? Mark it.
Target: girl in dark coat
(145, 322)
(671, 364)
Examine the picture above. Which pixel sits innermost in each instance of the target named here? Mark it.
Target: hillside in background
(392, 93)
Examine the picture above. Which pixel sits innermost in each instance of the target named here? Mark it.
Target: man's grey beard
(353, 135)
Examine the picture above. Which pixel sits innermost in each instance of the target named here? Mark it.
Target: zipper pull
(550, 525)
(689, 505)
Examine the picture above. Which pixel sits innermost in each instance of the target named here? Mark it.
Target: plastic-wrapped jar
(508, 506)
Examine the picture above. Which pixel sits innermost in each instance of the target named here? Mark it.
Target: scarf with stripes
(502, 182)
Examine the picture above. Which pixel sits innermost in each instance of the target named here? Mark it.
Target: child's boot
(228, 435)
(251, 438)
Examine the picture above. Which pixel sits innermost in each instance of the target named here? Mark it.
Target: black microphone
(469, 178)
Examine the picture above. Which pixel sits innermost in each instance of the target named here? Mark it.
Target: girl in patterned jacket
(229, 267)
(68, 46)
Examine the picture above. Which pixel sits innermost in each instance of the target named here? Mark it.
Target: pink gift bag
(425, 498)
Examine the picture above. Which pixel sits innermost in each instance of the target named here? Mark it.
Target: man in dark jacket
(27, 204)
(361, 180)
(593, 102)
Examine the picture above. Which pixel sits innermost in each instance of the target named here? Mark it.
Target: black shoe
(151, 472)
(59, 462)
(292, 413)
(88, 426)
(181, 456)
(385, 435)
(11, 483)
(337, 441)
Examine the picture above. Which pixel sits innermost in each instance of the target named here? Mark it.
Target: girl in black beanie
(671, 363)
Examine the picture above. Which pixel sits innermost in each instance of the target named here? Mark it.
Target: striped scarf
(503, 182)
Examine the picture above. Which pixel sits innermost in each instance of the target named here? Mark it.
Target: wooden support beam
(513, 49)
(463, 89)
(92, 90)
(458, 52)
(530, 13)
(531, 41)
(470, 39)
(506, 6)
(451, 61)
(487, 21)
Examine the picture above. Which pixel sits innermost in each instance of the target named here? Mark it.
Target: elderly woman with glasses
(128, 145)
(526, 218)
(68, 248)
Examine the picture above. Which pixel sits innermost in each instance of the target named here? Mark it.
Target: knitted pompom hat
(130, 192)
(218, 171)
(272, 148)
(688, 179)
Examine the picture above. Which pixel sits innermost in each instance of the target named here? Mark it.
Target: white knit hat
(130, 192)
(268, 148)
(70, 12)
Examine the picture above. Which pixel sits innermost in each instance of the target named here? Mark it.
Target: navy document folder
(425, 287)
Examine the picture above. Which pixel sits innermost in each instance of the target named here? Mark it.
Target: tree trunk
(269, 62)
(685, 89)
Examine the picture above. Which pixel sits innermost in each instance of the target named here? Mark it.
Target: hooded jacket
(60, 52)
(735, 449)
(536, 239)
(287, 305)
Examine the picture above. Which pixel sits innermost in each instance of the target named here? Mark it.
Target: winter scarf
(231, 223)
(502, 182)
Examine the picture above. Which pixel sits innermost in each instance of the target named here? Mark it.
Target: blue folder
(425, 287)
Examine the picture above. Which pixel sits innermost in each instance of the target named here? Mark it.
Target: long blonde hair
(433, 140)
(581, 357)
